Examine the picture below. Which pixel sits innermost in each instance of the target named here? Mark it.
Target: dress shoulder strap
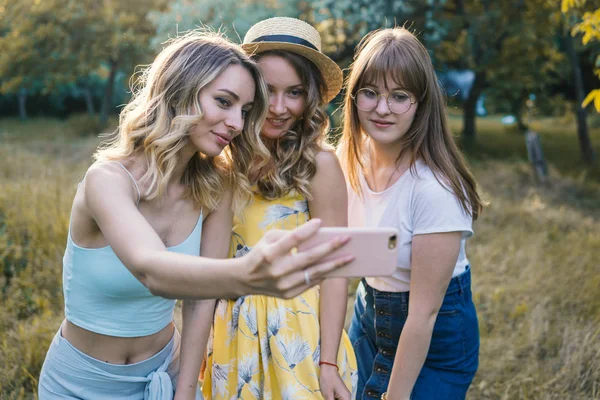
(134, 182)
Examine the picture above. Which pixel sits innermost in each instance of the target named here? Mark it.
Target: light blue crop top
(102, 296)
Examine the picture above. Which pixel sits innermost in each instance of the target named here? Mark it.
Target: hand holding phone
(375, 250)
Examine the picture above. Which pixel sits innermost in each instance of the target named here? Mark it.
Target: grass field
(535, 258)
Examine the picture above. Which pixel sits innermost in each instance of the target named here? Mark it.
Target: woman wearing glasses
(404, 170)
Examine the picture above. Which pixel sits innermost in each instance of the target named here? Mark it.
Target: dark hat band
(285, 39)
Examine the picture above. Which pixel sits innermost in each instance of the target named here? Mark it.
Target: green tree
(507, 44)
(582, 17)
(30, 60)
(236, 17)
(342, 23)
(510, 45)
(123, 36)
(43, 48)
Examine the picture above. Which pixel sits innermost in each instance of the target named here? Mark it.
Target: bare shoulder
(327, 158)
(99, 172)
(328, 166)
(108, 178)
(329, 172)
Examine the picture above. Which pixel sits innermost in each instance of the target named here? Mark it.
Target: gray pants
(68, 373)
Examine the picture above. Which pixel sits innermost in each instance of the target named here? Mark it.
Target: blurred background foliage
(508, 66)
(63, 56)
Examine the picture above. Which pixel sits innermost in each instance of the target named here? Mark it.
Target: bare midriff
(116, 350)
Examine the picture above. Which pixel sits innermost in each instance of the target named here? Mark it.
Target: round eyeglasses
(398, 101)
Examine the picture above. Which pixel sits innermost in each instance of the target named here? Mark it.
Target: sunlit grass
(558, 137)
(536, 275)
(41, 162)
(535, 258)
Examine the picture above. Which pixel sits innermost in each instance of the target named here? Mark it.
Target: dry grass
(536, 271)
(535, 258)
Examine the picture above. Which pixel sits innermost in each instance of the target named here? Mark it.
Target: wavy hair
(165, 108)
(294, 153)
(398, 52)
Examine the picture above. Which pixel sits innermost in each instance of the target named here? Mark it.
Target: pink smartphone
(375, 250)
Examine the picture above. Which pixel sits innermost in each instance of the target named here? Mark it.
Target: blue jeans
(453, 355)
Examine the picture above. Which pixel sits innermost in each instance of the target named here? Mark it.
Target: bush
(83, 124)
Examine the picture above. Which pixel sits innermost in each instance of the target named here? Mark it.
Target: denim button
(384, 334)
(372, 393)
(381, 312)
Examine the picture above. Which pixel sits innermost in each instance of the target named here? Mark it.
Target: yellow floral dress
(263, 347)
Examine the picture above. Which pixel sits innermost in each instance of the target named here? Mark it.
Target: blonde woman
(158, 196)
(415, 333)
(263, 347)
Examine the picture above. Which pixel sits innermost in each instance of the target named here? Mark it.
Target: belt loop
(459, 283)
(463, 278)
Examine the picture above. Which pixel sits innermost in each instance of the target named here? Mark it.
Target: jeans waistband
(459, 283)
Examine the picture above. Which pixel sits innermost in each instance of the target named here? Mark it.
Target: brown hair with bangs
(397, 52)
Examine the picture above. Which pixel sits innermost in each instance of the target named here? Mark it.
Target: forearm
(192, 278)
(332, 311)
(197, 320)
(410, 356)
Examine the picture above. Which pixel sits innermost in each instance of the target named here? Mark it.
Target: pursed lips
(224, 136)
(381, 122)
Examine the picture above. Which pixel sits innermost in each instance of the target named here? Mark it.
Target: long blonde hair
(165, 107)
(294, 155)
(398, 52)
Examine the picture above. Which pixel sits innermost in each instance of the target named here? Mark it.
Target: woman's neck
(185, 155)
(383, 168)
(383, 156)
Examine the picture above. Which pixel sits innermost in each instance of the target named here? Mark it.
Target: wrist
(239, 277)
(327, 364)
(384, 396)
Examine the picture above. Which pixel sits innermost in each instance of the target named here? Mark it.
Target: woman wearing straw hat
(159, 195)
(264, 347)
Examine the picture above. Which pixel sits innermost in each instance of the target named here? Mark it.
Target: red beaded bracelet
(328, 363)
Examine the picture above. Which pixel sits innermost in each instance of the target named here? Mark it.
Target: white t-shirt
(415, 204)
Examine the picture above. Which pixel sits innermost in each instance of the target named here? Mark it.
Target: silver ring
(306, 277)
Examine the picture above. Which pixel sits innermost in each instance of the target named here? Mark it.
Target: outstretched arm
(268, 269)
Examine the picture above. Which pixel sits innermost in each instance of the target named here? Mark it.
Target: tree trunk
(587, 151)
(470, 107)
(108, 92)
(89, 101)
(22, 97)
(516, 107)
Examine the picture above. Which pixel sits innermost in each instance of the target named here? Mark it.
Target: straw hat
(296, 36)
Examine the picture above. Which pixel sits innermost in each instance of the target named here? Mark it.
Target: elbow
(140, 267)
(425, 317)
(157, 288)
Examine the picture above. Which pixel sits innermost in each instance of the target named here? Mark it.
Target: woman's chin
(213, 151)
(272, 134)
